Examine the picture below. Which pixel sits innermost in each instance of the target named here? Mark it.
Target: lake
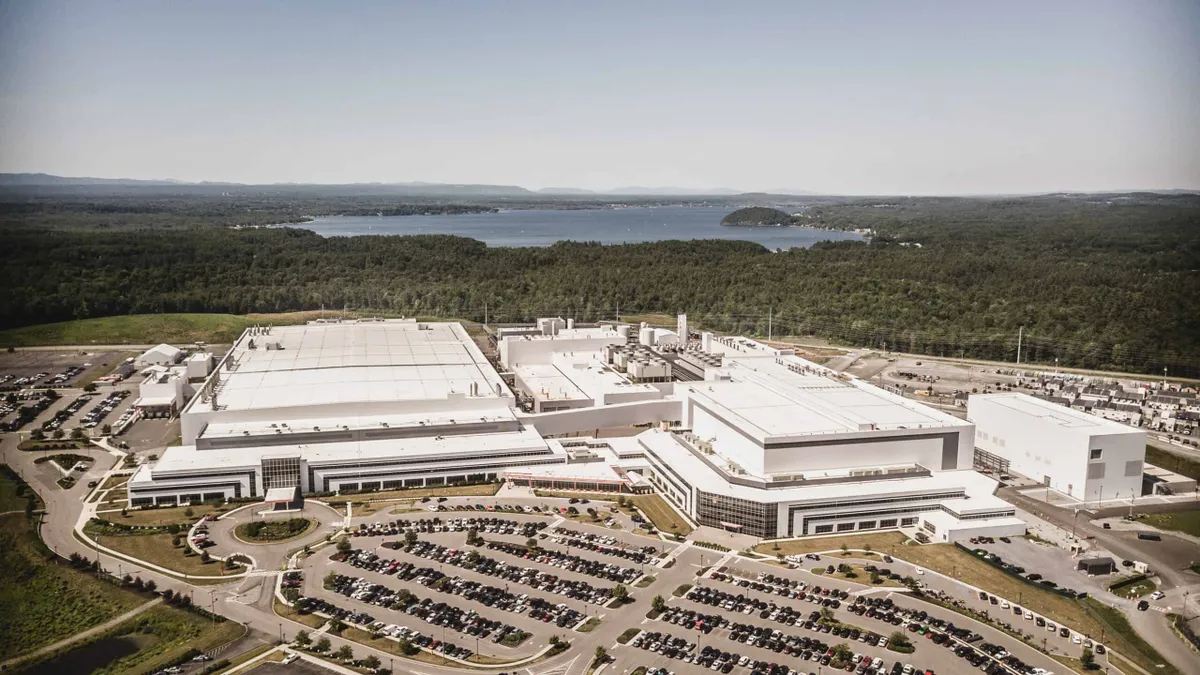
(93, 656)
(543, 227)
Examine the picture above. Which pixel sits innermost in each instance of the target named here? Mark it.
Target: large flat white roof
(774, 399)
(669, 449)
(546, 382)
(1045, 412)
(350, 362)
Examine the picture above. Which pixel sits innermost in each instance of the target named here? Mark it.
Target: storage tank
(570, 324)
(706, 342)
(623, 330)
(646, 336)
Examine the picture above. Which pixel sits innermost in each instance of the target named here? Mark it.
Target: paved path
(65, 642)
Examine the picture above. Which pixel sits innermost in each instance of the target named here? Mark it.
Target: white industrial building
(761, 441)
(1080, 455)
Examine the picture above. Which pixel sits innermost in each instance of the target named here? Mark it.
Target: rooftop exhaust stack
(706, 342)
(570, 324)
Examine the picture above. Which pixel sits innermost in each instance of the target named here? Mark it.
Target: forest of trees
(1101, 282)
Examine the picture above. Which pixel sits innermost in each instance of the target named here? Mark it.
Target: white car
(1076, 639)
(1157, 595)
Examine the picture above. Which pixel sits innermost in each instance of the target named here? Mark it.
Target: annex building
(747, 437)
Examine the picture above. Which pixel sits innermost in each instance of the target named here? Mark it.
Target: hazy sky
(862, 97)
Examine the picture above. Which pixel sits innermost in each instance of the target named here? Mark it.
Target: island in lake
(759, 216)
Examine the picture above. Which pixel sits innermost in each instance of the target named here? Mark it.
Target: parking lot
(411, 572)
(36, 368)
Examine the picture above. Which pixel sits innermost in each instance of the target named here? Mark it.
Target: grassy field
(1187, 522)
(158, 549)
(13, 492)
(1135, 589)
(661, 514)
(165, 634)
(42, 601)
(147, 329)
(1089, 617)
(287, 612)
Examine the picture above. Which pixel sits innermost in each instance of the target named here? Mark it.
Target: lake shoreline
(607, 226)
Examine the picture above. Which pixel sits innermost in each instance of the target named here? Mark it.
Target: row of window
(329, 480)
(864, 525)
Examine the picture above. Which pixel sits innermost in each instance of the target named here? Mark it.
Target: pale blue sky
(862, 97)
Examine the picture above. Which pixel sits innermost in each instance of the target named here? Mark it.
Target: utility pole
(485, 316)
(1020, 334)
(770, 316)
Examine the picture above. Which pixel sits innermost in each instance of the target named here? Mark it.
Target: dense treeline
(1098, 283)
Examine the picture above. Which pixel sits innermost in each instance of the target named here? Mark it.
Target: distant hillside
(757, 216)
(565, 191)
(24, 179)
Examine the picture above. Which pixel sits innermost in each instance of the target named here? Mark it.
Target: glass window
(1096, 453)
(845, 527)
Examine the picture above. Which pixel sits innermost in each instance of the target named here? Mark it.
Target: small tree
(176, 541)
(1088, 659)
(229, 563)
(601, 654)
(37, 435)
(867, 548)
(58, 434)
(898, 641)
(826, 614)
(77, 434)
(151, 585)
(407, 648)
(90, 387)
(371, 662)
(531, 543)
(345, 652)
(337, 626)
(189, 512)
(620, 593)
(410, 537)
(106, 430)
(205, 557)
(658, 604)
(842, 653)
(302, 639)
(343, 546)
(845, 550)
(323, 644)
(127, 580)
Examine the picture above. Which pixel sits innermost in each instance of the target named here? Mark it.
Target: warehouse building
(1080, 455)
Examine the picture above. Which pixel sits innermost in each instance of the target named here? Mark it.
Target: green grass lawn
(42, 601)
(146, 329)
(152, 329)
(13, 492)
(665, 518)
(1187, 522)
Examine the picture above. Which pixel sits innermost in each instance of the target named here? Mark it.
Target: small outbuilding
(1097, 566)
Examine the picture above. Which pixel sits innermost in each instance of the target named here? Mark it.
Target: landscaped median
(1086, 616)
(273, 531)
(158, 546)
